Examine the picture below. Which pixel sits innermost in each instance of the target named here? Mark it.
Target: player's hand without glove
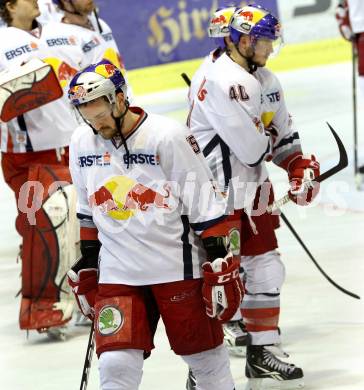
(222, 288)
(302, 170)
(342, 17)
(82, 277)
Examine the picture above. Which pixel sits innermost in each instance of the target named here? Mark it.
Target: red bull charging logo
(122, 197)
(64, 71)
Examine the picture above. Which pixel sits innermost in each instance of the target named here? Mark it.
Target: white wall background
(317, 23)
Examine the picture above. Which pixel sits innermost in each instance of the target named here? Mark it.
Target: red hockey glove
(342, 17)
(222, 289)
(82, 278)
(301, 171)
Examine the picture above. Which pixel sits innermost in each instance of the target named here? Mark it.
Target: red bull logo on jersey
(114, 57)
(122, 198)
(21, 50)
(64, 71)
(106, 70)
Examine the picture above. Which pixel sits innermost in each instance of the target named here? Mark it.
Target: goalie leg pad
(49, 248)
(125, 318)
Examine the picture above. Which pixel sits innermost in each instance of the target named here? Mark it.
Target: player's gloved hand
(301, 171)
(342, 17)
(222, 288)
(82, 277)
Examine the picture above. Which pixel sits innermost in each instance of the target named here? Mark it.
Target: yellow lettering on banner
(168, 29)
(199, 19)
(158, 30)
(184, 24)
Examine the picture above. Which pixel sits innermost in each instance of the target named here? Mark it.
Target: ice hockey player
(147, 208)
(37, 138)
(240, 120)
(350, 18)
(234, 330)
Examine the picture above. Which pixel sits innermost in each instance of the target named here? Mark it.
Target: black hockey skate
(262, 364)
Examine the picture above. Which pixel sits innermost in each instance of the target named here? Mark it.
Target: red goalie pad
(28, 87)
(46, 299)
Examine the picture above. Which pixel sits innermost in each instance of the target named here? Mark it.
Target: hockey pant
(126, 318)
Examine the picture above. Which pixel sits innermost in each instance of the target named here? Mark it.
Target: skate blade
(267, 384)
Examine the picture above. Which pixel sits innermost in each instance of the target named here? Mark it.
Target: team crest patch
(234, 238)
(111, 319)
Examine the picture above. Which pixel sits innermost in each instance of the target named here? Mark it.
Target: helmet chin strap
(252, 66)
(119, 123)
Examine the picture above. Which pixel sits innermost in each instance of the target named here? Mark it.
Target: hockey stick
(88, 359)
(342, 289)
(186, 79)
(355, 117)
(343, 163)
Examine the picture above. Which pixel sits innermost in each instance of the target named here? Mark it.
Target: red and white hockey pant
(126, 319)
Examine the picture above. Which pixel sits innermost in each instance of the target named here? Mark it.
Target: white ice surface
(322, 328)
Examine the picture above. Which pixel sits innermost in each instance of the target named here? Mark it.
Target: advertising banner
(160, 31)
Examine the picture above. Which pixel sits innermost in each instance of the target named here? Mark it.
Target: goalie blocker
(27, 87)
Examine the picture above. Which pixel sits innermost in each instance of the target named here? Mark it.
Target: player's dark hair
(4, 12)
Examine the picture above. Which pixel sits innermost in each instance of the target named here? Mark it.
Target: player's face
(25, 9)
(98, 113)
(263, 49)
(84, 7)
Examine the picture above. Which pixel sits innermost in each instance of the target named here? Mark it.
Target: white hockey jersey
(147, 201)
(198, 76)
(67, 48)
(225, 118)
(356, 15)
(261, 103)
(275, 113)
(108, 48)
